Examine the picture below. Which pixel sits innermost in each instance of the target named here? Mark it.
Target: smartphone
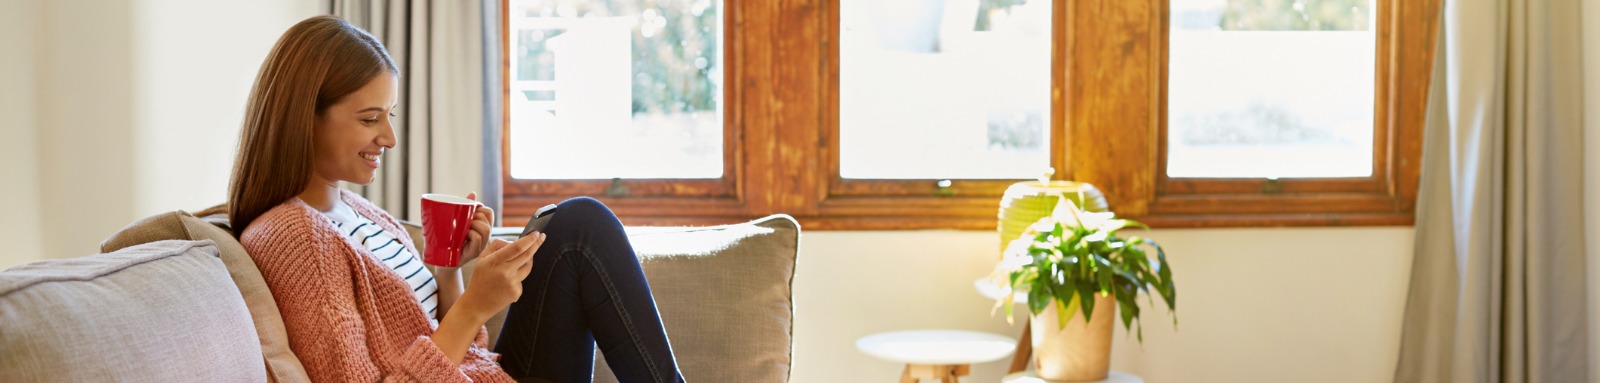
(541, 218)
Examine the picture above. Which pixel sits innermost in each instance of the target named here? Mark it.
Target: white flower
(1019, 247)
(1068, 213)
(1015, 257)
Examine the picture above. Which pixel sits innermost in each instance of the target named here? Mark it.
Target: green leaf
(1169, 291)
(1131, 277)
(1103, 276)
(1130, 309)
(1038, 298)
(1011, 297)
(1063, 314)
(1067, 312)
(1087, 292)
(1141, 330)
(1064, 296)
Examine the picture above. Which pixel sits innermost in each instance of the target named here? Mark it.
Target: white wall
(134, 107)
(1255, 305)
(195, 63)
(85, 110)
(19, 193)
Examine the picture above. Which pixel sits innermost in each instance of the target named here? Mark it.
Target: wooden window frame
(967, 204)
(1128, 160)
(647, 201)
(781, 125)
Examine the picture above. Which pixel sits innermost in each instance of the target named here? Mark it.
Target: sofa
(174, 297)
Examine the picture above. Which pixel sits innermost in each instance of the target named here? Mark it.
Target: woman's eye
(369, 122)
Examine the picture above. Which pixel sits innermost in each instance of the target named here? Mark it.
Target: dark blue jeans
(586, 289)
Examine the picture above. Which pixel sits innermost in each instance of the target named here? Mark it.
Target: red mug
(446, 220)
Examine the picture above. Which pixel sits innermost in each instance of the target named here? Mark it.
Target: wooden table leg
(945, 373)
(955, 372)
(1024, 352)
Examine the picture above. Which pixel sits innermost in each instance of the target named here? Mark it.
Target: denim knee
(593, 218)
(586, 210)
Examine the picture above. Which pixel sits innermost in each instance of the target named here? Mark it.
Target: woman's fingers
(527, 257)
(527, 267)
(522, 247)
(480, 227)
(483, 210)
(494, 247)
(527, 263)
(524, 259)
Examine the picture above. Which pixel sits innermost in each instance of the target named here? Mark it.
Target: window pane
(944, 88)
(616, 89)
(1270, 88)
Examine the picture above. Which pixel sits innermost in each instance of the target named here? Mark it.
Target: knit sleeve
(317, 299)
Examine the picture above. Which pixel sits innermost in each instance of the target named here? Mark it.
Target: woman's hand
(496, 282)
(497, 279)
(478, 235)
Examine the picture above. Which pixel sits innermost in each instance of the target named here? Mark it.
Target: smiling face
(350, 136)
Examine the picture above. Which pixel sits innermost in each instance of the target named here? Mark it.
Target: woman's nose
(386, 135)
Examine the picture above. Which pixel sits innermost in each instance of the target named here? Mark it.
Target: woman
(357, 303)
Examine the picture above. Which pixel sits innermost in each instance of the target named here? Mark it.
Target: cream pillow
(725, 296)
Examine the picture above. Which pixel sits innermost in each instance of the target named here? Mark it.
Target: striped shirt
(391, 252)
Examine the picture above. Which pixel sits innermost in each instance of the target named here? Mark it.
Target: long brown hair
(316, 63)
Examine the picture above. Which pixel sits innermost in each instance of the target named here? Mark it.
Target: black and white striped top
(391, 252)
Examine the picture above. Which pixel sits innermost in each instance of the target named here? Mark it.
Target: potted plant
(1072, 262)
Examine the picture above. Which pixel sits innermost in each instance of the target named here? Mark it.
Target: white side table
(1030, 377)
(946, 355)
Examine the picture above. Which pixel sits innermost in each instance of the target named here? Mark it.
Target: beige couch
(174, 297)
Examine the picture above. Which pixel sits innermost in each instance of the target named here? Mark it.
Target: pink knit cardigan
(349, 317)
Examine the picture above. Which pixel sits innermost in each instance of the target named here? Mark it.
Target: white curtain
(1500, 282)
(447, 130)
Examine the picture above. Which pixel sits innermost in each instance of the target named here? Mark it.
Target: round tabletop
(937, 347)
(1031, 377)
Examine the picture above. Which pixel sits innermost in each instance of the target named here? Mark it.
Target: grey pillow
(164, 311)
(724, 293)
(282, 365)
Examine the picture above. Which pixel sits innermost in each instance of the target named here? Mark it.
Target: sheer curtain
(1500, 283)
(448, 130)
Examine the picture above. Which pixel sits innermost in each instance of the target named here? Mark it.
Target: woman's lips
(372, 159)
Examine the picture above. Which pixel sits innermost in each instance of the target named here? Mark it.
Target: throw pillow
(160, 312)
(282, 365)
(724, 294)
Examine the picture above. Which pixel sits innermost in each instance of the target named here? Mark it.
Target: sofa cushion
(160, 312)
(724, 293)
(282, 366)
